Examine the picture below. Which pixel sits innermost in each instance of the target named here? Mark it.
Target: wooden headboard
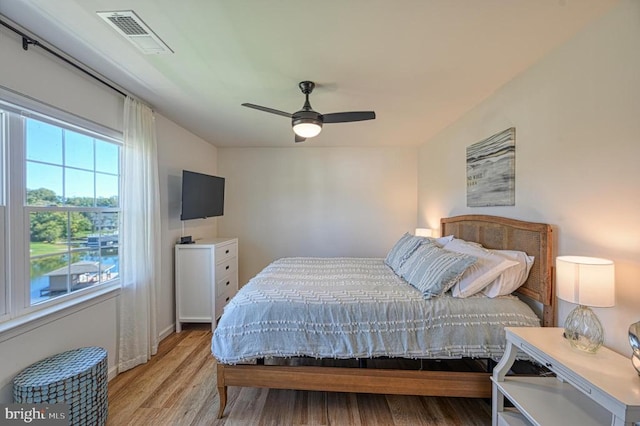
(499, 233)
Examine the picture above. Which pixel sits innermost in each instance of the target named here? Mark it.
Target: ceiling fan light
(307, 129)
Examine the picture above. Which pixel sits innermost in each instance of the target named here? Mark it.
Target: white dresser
(589, 389)
(206, 279)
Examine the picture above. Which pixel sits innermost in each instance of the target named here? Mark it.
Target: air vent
(131, 27)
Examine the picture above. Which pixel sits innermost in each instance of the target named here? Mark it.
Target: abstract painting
(491, 167)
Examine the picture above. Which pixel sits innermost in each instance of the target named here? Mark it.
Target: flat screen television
(202, 196)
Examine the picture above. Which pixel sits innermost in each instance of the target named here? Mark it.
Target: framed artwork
(491, 170)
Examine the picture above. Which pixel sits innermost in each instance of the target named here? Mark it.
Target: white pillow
(488, 267)
(440, 241)
(512, 278)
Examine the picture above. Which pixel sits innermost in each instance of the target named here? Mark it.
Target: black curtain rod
(26, 41)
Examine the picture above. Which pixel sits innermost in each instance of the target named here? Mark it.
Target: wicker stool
(77, 377)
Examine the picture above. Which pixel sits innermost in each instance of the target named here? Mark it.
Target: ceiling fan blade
(265, 109)
(344, 117)
(299, 139)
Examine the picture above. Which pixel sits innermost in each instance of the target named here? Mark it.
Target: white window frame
(4, 228)
(19, 315)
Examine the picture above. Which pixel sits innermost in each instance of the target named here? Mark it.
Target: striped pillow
(401, 251)
(433, 270)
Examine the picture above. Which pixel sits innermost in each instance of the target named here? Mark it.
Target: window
(3, 225)
(60, 208)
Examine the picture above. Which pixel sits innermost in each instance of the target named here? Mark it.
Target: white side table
(589, 389)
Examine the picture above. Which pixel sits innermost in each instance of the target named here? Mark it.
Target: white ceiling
(420, 64)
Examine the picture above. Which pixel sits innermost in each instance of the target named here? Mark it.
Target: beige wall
(314, 201)
(37, 74)
(178, 150)
(577, 155)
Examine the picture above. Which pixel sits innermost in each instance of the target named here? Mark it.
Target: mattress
(347, 308)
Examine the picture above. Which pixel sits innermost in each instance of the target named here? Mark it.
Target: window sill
(33, 320)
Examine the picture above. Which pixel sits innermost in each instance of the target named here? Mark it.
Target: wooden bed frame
(536, 239)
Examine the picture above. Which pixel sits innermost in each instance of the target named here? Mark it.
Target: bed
(240, 351)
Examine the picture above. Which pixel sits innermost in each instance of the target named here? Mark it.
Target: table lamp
(586, 281)
(423, 232)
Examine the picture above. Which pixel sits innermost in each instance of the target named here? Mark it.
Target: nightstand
(589, 389)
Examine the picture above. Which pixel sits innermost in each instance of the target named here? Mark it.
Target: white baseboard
(112, 373)
(166, 332)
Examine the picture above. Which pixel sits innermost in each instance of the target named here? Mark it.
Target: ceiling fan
(307, 123)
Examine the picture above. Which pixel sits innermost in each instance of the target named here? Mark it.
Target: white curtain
(140, 237)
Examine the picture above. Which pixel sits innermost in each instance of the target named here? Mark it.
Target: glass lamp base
(634, 341)
(635, 360)
(583, 329)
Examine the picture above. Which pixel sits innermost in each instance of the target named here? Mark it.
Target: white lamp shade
(307, 130)
(588, 281)
(423, 232)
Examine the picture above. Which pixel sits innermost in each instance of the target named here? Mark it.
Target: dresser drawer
(226, 267)
(223, 299)
(226, 251)
(226, 283)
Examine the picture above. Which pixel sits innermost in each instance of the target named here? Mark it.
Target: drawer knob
(227, 251)
(226, 267)
(226, 300)
(228, 282)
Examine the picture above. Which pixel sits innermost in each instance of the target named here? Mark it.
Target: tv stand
(206, 278)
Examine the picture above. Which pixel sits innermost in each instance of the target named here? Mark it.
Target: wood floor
(177, 387)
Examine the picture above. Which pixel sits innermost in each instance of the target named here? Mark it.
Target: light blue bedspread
(357, 308)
